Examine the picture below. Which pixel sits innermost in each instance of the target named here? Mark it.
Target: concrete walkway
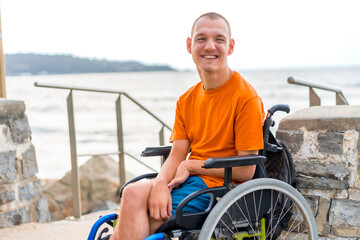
(59, 230)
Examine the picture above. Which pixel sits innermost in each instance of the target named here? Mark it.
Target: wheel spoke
(272, 211)
(247, 219)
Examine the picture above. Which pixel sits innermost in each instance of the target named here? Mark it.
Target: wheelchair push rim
(224, 217)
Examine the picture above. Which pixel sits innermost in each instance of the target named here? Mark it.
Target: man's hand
(181, 175)
(160, 203)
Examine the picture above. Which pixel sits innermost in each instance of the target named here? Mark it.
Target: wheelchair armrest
(234, 161)
(156, 151)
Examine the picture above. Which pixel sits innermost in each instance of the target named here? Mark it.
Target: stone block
(344, 213)
(320, 183)
(313, 202)
(11, 108)
(339, 194)
(293, 139)
(43, 210)
(330, 118)
(348, 232)
(321, 217)
(29, 164)
(351, 156)
(20, 129)
(322, 169)
(14, 217)
(7, 196)
(30, 190)
(8, 171)
(354, 194)
(331, 142)
(6, 143)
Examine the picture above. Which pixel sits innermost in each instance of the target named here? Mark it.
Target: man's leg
(133, 222)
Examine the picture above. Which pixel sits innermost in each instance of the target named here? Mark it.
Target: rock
(354, 194)
(29, 164)
(348, 232)
(344, 213)
(30, 190)
(331, 118)
(43, 210)
(14, 217)
(11, 108)
(20, 129)
(99, 182)
(7, 167)
(322, 224)
(331, 142)
(320, 183)
(293, 139)
(107, 205)
(329, 170)
(7, 196)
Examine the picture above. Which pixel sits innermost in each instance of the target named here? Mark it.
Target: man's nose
(210, 44)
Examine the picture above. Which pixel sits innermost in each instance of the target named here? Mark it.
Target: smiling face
(210, 45)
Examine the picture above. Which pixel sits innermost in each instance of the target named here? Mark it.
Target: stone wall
(325, 145)
(20, 189)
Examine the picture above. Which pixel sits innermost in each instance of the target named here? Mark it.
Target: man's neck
(214, 80)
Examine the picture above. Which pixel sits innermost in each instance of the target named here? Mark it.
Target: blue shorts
(192, 184)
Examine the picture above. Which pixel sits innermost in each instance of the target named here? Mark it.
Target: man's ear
(188, 45)
(231, 46)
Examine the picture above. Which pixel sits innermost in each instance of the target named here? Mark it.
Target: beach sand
(59, 230)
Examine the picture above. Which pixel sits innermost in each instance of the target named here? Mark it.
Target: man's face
(210, 45)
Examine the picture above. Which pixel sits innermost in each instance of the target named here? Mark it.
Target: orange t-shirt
(220, 121)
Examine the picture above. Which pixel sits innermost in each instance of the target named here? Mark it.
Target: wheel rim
(230, 218)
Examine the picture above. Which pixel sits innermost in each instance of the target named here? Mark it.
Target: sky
(267, 33)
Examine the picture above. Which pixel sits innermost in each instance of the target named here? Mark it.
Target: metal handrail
(65, 87)
(121, 152)
(314, 99)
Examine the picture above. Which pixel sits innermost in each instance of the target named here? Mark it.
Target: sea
(95, 118)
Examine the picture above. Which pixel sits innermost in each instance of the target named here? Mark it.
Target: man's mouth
(209, 56)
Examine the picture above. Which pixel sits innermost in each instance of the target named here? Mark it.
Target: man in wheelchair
(220, 116)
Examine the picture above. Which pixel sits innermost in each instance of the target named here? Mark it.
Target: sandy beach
(58, 230)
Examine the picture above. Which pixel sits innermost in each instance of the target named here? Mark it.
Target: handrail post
(162, 143)
(314, 98)
(120, 142)
(161, 136)
(340, 99)
(74, 167)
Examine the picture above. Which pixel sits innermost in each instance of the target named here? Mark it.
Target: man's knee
(136, 194)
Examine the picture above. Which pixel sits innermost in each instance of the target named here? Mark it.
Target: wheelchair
(262, 208)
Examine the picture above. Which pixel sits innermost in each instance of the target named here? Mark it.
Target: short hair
(211, 15)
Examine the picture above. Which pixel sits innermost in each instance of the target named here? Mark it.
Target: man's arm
(160, 204)
(240, 174)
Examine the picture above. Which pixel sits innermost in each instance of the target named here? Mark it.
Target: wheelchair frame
(222, 199)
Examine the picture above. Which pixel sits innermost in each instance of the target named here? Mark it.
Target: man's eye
(200, 39)
(220, 40)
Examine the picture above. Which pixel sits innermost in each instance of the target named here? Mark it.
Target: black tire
(241, 210)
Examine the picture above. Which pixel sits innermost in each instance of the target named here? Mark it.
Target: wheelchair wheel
(260, 209)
